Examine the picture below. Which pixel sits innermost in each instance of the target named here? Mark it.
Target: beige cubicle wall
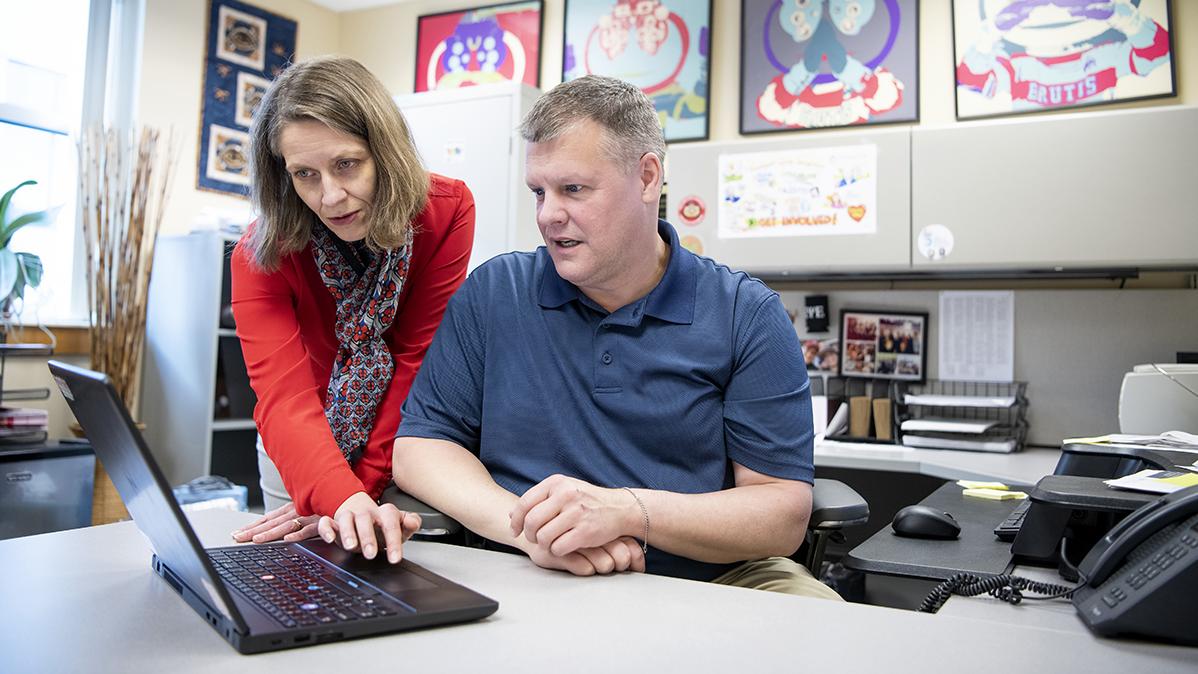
(1101, 189)
(1072, 347)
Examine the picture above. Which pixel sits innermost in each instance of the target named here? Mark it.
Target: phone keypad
(1159, 562)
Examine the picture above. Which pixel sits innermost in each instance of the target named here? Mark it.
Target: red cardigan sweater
(285, 322)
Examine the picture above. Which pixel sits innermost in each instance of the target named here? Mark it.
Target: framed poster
(468, 47)
(1017, 56)
(828, 63)
(662, 46)
(883, 345)
(246, 48)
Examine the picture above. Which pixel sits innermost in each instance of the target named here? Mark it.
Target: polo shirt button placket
(606, 358)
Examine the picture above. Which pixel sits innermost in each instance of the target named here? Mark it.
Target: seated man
(613, 386)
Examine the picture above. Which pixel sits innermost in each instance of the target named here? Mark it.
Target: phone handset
(1109, 553)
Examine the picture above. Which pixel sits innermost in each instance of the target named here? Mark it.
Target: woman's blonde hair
(344, 95)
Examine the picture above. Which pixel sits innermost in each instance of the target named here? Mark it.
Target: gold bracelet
(645, 514)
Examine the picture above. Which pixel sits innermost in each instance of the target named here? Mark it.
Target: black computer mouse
(921, 521)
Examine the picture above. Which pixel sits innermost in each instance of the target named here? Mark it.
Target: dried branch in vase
(122, 193)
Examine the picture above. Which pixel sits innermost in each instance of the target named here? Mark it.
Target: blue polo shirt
(535, 379)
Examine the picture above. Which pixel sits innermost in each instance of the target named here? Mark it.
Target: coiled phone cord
(1007, 588)
(1004, 587)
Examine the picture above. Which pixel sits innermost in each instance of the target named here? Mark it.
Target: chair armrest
(835, 505)
(433, 522)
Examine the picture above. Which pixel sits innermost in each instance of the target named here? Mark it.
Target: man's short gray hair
(621, 108)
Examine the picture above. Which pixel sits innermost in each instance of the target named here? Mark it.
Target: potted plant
(17, 270)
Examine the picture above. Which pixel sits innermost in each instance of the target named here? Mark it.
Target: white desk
(87, 600)
(1025, 467)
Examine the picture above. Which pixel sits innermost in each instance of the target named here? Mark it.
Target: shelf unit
(197, 399)
(37, 435)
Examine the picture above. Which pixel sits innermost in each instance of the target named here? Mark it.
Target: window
(41, 99)
(61, 62)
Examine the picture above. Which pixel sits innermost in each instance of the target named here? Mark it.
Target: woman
(338, 288)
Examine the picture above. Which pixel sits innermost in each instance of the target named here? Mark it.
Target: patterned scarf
(366, 307)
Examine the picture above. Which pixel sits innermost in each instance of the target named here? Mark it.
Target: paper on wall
(977, 336)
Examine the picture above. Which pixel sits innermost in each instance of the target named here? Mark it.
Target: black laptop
(258, 597)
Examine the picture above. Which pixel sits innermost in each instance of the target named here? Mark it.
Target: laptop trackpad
(394, 579)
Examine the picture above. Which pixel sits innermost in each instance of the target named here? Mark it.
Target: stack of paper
(1167, 440)
(937, 400)
(1155, 481)
(940, 425)
(979, 445)
(1172, 439)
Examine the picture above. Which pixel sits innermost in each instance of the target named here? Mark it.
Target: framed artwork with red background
(484, 45)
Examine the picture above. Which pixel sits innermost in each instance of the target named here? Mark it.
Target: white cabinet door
(692, 174)
(470, 134)
(1091, 189)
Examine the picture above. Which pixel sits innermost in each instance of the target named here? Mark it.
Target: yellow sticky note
(995, 494)
(974, 484)
(1184, 480)
(1097, 440)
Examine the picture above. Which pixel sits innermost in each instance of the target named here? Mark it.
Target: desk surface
(87, 600)
(1049, 615)
(1024, 467)
(975, 551)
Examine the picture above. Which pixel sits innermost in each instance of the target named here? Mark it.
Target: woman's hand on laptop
(356, 521)
(281, 523)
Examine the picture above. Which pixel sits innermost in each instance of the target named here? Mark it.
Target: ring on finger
(298, 524)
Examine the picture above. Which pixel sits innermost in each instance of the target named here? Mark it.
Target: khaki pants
(777, 574)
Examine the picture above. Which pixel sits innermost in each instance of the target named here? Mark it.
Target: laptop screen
(123, 452)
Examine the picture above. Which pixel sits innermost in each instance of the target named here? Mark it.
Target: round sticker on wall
(935, 242)
(692, 243)
(692, 211)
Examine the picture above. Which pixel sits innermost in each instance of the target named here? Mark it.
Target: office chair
(835, 506)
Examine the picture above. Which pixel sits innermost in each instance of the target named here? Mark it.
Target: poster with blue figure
(479, 46)
(246, 48)
(809, 64)
(661, 46)
(1030, 55)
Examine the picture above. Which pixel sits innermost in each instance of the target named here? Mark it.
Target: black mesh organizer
(964, 415)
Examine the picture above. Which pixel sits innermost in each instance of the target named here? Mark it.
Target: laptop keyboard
(297, 590)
